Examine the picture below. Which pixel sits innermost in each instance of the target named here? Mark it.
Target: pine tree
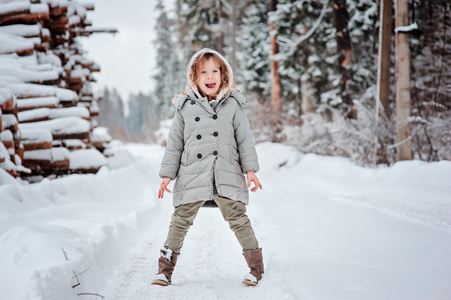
(210, 24)
(364, 39)
(112, 113)
(254, 56)
(431, 83)
(307, 51)
(168, 71)
(200, 24)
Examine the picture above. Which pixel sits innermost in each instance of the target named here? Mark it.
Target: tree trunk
(275, 89)
(341, 18)
(308, 105)
(383, 68)
(403, 103)
(234, 66)
(221, 27)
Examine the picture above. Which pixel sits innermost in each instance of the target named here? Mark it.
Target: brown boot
(166, 265)
(254, 261)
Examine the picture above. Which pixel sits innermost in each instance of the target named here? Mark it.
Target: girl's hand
(251, 177)
(163, 187)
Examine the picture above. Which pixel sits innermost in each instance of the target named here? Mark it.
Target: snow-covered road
(328, 229)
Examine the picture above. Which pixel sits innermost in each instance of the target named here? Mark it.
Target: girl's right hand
(163, 187)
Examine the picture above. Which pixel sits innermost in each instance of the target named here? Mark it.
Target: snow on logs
(46, 101)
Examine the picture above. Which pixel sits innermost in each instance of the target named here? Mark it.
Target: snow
(76, 111)
(73, 143)
(6, 179)
(39, 8)
(9, 121)
(80, 73)
(86, 159)
(22, 29)
(29, 75)
(49, 57)
(16, 6)
(66, 95)
(408, 28)
(5, 95)
(54, 154)
(33, 114)
(6, 135)
(66, 125)
(9, 79)
(26, 90)
(37, 102)
(33, 135)
(11, 43)
(100, 134)
(329, 230)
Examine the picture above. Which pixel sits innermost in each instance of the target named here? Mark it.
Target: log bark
(7, 105)
(9, 13)
(67, 136)
(25, 18)
(34, 145)
(403, 98)
(7, 139)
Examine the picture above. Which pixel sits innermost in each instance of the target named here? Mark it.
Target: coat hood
(225, 89)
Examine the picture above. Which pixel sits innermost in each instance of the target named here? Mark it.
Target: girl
(209, 149)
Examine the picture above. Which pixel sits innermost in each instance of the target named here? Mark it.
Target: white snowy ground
(328, 229)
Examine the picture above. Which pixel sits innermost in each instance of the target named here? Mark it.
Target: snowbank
(329, 230)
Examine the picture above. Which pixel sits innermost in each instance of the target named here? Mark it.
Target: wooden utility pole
(275, 76)
(341, 19)
(383, 67)
(403, 102)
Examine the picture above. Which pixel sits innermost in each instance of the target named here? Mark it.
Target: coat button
(215, 152)
(197, 119)
(193, 102)
(215, 117)
(199, 156)
(215, 133)
(199, 136)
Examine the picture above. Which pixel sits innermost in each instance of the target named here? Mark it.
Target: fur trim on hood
(225, 89)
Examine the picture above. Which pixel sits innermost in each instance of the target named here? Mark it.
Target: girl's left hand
(251, 177)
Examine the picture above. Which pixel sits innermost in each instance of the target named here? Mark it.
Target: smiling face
(209, 78)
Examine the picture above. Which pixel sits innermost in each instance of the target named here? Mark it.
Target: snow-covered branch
(408, 28)
(299, 40)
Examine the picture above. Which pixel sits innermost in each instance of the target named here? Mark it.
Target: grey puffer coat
(205, 145)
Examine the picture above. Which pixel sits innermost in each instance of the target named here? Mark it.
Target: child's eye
(203, 72)
(215, 71)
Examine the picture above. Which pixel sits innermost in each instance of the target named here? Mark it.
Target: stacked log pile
(46, 102)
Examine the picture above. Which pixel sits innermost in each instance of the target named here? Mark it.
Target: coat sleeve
(174, 148)
(245, 141)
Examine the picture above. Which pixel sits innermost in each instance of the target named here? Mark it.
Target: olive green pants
(233, 212)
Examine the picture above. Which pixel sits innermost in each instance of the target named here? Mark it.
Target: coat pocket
(184, 159)
(234, 155)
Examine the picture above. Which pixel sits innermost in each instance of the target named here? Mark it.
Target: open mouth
(210, 85)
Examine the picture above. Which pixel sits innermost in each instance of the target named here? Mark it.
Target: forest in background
(309, 70)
